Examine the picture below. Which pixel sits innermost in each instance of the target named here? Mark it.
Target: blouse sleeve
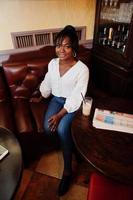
(74, 101)
(45, 86)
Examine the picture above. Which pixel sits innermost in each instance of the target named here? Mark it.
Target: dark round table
(110, 152)
(10, 165)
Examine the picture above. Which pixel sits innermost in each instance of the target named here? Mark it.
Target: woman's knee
(61, 129)
(64, 131)
(64, 127)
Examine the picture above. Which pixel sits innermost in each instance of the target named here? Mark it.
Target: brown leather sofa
(23, 73)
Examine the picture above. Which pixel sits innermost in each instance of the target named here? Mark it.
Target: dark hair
(68, 31)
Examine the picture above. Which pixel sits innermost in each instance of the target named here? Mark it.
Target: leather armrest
(23, 116)
(38, 110)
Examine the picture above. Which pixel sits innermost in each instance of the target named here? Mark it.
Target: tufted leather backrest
(24, 71)
(24, 79)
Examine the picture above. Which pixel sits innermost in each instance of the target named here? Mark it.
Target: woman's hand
(53, 122)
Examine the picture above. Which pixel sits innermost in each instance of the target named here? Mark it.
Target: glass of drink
(86, 107)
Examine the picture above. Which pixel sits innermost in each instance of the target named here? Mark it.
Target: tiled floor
(41, 179)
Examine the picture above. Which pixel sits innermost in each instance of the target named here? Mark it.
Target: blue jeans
(63, 130)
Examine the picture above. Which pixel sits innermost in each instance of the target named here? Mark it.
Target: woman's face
(64, 50)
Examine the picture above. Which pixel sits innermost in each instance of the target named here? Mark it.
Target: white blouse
(70, 85)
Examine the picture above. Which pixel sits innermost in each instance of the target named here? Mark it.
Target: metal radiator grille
(23, 41)
(42, 37)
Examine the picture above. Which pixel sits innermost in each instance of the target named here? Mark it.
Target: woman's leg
(64, 133)
(63, 130)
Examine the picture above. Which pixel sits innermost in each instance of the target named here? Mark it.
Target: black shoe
(64, 185)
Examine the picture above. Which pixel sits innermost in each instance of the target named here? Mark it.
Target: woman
(66, 79)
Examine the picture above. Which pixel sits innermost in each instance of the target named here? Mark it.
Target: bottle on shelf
(103, 36)
(118, 37)
(110, 36)
(125, 38)
(114, 39)
(123, 48)
(126, 35)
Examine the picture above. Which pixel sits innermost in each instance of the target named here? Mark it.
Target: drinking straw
(83, 97)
